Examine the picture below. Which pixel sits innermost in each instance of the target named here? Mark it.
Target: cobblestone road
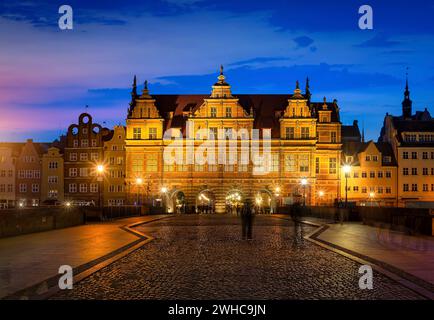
(202, 257)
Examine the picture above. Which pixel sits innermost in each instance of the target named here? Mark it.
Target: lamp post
(277, 191)
(321, 196)
(139, 182)
(304, 184)
(371, 197)
(164, 191)
(100, 171)
(347, 170)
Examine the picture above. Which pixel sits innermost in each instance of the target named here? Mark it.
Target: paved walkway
(30, 259)
(413, 255)
(204, 257)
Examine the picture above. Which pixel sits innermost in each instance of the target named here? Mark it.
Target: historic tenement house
(8, 155)
(28, 168)
(305, 149)
(412, 139)
(84, 165)
(114, 176)
(52, 182)
(373, 173)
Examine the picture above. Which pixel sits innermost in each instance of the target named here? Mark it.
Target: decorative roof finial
(297, 85)
(145, 92)
(221, 77)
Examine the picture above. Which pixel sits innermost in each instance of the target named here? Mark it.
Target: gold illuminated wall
(309, 149)
(372, 180)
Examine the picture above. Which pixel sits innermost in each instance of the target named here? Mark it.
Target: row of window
(53, 165)
(81, 172)
(84, 143)
(117, 160)
(373, 174)
(116, 148)
(29, 174)
(82, 187)
(379, 190)
(94, 156)
(115, 202)
(293, 163)
(116, 188)
(414, 171)
(415, 155)
(28, 159)
(8, 173)
(137, 133)
(415, 188)
(23, 187)
(6, 188)
(290, 134)
(419, 138)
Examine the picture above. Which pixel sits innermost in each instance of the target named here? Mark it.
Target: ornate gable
(144, 106)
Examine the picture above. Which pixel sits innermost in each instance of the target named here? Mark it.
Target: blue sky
(48, 75)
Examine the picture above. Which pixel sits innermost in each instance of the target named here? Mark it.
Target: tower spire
(308, 94)
(134, 90)
(407, 103)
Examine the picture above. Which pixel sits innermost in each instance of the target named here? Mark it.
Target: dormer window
(387, 159)
(152, 133)
(213, 112)
(228, 112)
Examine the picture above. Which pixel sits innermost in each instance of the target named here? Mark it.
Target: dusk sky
(47, 75)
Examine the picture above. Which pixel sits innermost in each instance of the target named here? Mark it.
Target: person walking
(247, 216)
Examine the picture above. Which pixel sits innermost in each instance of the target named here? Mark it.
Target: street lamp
(139, 182)
(304, 184)
(164, 190)
(100, 171)
(347, 170)
(371, 197)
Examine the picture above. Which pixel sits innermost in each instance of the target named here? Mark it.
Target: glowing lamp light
(372, 195)
(164, 190)
(258, 201)
(100, 168)
(68, 204)
(303, 182)
(139, 181)
(21, 204)
(347, 168)
(321, 194)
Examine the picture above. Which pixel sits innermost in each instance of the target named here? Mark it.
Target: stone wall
(15, 222)
(408, 220)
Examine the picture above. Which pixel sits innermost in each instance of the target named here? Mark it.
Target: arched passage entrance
(265, 202)
(205, 202)
(175, 201)
(234, 201)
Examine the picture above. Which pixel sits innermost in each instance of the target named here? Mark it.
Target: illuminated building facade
(305, 144)
(412, 139)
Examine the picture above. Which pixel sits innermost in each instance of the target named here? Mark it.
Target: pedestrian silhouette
(247, 216)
